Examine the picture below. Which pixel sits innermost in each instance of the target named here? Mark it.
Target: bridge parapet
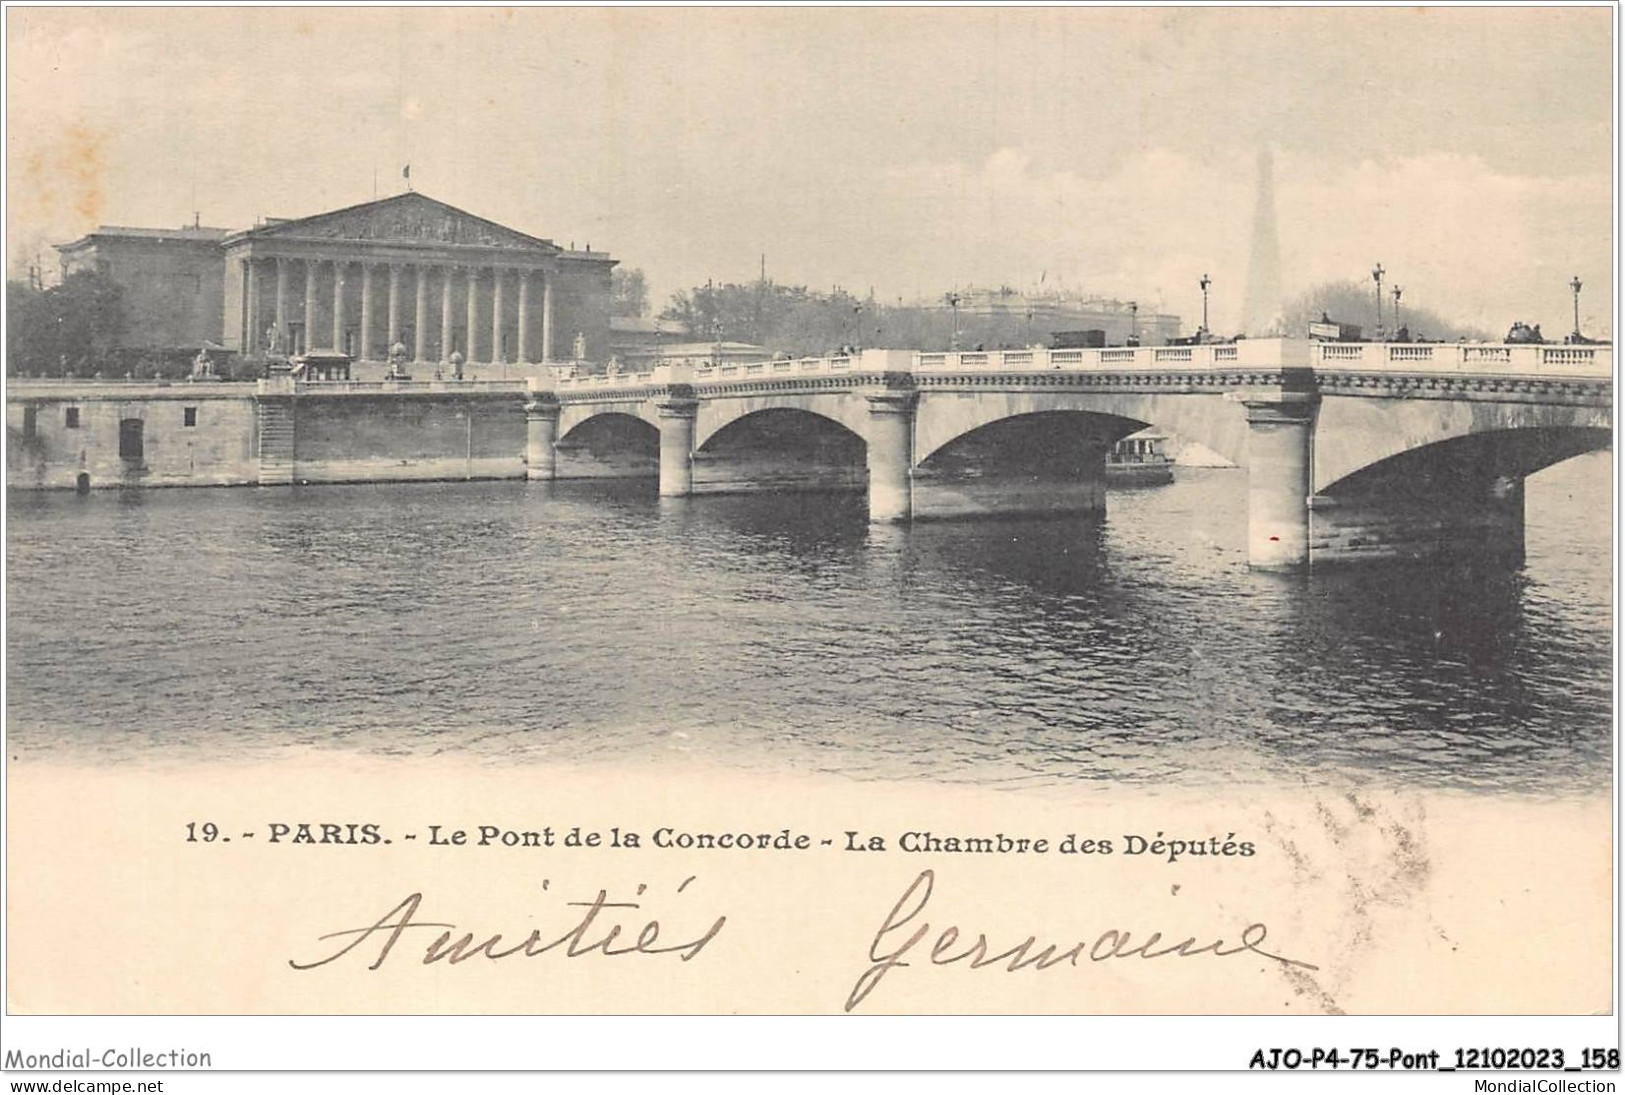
(1467, 357)
(598, 381)
(1263, 352)
(398, 387)
(1491, 359)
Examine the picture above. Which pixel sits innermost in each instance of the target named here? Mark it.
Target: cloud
(1466, 150)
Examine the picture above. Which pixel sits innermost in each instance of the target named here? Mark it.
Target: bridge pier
(1280, 439)
(891, 455)
(1461, 520)
(541, 432)
(677, 414)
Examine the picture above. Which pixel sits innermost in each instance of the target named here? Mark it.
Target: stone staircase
(276, 442)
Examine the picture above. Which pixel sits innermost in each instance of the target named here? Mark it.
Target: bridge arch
(1460, 497)
(1450, 465)
(1033, 440)
(845, 409)
(1355, 434)
(610, 444)
(788, 423)
(573, 416)
(784, 448)
(1209, 420)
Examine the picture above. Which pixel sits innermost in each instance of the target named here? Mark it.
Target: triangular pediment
(406, 218)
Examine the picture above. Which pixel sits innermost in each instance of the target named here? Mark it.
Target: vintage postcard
(810, 512)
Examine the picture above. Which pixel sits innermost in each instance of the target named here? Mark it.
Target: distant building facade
(172, 281)
(405, 270)
(636, 339)
(697, 354)
(1043, 313)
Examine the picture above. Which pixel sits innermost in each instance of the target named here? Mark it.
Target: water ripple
(594, 622)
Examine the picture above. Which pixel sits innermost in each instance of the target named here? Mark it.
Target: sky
(908, 151)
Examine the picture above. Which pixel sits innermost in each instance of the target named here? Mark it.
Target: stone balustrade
(1314, 423)
(1420, 357)
(1467, 357)
(404, 387)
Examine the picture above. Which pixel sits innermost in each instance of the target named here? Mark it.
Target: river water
(594, 623)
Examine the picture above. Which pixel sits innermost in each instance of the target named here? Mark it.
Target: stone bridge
(1352, 449)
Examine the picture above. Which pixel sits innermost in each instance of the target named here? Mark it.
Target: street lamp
(953, 300)
(1376, 275)
(1397, 292)
(1575, 285)
(1205, 282)
(1133, 323)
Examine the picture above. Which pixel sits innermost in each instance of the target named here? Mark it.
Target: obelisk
(1262, 303)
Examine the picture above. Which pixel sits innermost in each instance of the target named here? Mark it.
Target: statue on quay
(397, 363)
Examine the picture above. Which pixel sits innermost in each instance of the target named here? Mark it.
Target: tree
(30, 333)
(629, 293)
(71, 327)
(801, 321)
(783, 318)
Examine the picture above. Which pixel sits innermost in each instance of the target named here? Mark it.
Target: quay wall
(374, 438)
(95, 435)
(102, 436)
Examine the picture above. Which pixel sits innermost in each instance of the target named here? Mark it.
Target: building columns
(420, 320)
(523, 347)
(1280, 436)
(520, 337)
(541, 431)
(547, 316)
(251, 311)
(496, 315)
(338, 304)
(394, 334)
(366, 313)
(310, 304)
(445, 313)
(282, 304)
(677, 413)
(473, 314)
(891, 455)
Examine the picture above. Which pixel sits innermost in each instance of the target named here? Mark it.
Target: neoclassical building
(406, 269)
